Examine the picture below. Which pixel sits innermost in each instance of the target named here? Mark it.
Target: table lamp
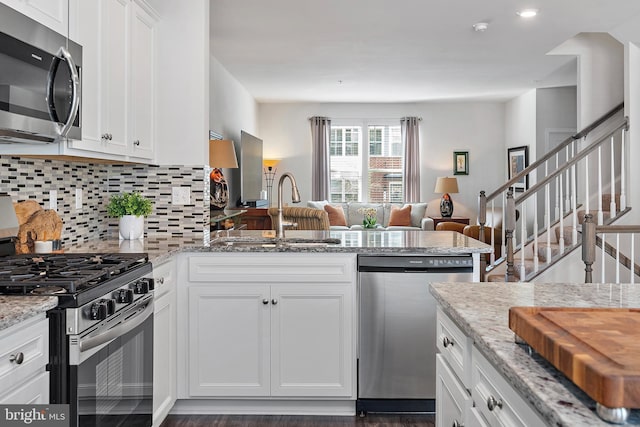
(270, 174)
(221, 155)
(446, 185)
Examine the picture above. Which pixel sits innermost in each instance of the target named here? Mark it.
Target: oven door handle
(86, 344)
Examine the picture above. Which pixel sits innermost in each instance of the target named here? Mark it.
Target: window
(361, 174)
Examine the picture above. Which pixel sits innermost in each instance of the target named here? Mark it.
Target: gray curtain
(411, 174)
(320, 173)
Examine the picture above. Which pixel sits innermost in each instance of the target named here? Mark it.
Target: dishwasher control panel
(418, 262)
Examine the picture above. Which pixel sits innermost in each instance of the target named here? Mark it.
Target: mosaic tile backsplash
(26, 178)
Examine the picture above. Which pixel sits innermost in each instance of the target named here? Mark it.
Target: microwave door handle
(130, 324)
(75, 93)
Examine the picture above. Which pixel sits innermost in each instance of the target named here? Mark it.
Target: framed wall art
(517, 161)
(461, 163)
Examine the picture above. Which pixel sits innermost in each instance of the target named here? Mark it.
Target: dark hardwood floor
(371, 420)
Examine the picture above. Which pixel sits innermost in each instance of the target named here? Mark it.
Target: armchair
(305, 218)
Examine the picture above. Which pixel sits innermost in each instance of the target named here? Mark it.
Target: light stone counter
(15, 309)
(482, 312)
(160, 247)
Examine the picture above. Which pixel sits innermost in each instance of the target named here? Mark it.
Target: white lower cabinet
(24, 353)
(470, 391)
(270, 325)
(164, 341)
(453, 400)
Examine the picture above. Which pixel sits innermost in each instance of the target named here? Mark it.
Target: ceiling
(401, 50)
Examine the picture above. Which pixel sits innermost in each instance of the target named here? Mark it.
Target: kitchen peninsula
(256, 325)
(480, 312)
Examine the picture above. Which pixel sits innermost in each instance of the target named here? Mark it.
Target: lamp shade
(222, 154)
(270, 163)
(446, 185)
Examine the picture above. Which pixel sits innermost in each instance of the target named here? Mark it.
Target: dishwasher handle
(424, 270)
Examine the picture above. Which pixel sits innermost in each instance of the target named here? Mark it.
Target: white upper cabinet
(52, 13)
(118, 39)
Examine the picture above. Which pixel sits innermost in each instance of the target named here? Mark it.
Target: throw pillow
(336, 215)
(400, 216)
(418, 211)
(317, 204)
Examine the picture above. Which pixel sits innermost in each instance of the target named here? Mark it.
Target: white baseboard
(264, 407)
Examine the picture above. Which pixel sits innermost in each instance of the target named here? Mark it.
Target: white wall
(600, 73)
(182, 67)
(232, 110)
(477, 127)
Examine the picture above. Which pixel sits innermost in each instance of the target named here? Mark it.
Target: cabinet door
(114, 64)
(452, 400)
(142, 83)
(52, 13)
(311, 339)
(164, 356)
(229, 340)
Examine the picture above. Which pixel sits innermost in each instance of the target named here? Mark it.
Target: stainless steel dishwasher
(397, 329)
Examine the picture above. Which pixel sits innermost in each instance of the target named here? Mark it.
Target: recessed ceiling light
(481, 27)
(527, 13)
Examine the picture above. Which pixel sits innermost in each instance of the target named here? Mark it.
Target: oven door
(111, 371)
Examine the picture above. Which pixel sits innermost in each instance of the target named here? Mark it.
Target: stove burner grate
(23, 274)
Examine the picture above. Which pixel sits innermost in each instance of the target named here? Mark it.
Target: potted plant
(131, 208)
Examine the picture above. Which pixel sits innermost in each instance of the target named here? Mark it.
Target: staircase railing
(559, 175)
(593, 236)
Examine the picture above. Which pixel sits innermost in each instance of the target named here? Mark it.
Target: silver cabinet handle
(457, 423)
(17, 358)
(265, 301)
(492, 403)
(136, 142)
(446, 342)
(107, 136)
(274, 301)
(160, 280)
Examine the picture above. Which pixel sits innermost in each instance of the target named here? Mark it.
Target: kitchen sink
(266, 241)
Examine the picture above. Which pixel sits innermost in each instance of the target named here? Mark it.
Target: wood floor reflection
(371, 420)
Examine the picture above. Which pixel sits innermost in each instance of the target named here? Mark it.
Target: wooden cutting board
(597, 348)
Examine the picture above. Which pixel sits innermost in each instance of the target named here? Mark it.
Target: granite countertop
(15, 309)
(161, 247)
(482, 312)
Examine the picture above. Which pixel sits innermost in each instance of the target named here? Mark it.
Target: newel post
(510, 225)
(482, 219)
(588, 246)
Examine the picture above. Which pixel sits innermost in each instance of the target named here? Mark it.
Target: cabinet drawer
(165, 278)
(34, 391)
(452, 399)
(455, 347)
(268, 267)
(27, 340)
(506, 407)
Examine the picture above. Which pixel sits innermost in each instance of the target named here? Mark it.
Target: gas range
(77, 278)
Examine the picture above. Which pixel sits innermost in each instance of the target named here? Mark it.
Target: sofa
(354, 216)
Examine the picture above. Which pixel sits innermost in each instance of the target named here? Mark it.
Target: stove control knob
(98, 311)
(125, 296)
(142, 286)
(110, 304)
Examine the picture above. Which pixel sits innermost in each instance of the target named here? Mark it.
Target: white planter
(131, 227)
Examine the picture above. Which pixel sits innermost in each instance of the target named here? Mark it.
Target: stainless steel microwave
(40, 82)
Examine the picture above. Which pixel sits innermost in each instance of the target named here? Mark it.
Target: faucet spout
(295, 198)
